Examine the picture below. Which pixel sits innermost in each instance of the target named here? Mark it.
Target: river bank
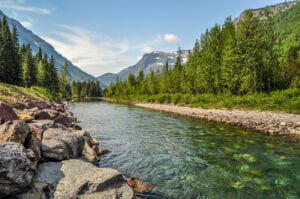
(44, 153)
(272, 123)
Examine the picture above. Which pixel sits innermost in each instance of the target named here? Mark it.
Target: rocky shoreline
(44, 153)
(272, 123)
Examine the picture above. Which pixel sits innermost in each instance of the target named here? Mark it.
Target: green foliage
(64, 86)
(18, 66)
(10, 69)
(86, 89)
(233, 66)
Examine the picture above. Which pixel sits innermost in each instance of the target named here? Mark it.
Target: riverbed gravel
(272, 123)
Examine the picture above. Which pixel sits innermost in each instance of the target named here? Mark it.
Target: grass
(11, 93)
(284, 100)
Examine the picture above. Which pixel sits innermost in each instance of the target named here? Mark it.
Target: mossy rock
(25, 117)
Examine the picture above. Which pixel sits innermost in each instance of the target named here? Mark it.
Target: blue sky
(103, 36)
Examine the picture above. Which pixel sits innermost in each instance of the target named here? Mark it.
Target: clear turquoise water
(187, 158)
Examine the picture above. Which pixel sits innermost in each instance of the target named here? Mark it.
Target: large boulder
(90, 150)
(7, 113)
(38, 104)
(16, 168)
(59, 144)
(19, 105)
(59, 107)
(65, 119)
(37, 130)
(78, 179)
(14, 131)
(42, 115)
(34, 143)
(45, 124)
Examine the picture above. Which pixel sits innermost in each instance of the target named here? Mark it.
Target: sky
(101, 36)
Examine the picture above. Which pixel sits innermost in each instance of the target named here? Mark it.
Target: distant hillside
(150, 61)
(274, 10)
(28, 37)
(286, 18)
(287, 29)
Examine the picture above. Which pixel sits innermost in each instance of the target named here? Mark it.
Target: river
(186, 158)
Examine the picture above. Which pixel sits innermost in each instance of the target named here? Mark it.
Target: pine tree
(28, 67)
(53, 78)
(7, 71)
(269, 65)
(41, 74)
(63, 81)
(248, 52)
(16, 58)
(229, 68)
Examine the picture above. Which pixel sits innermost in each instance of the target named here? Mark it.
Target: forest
(256, 57)
(18, 66)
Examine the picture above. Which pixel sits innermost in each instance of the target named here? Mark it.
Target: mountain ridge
(27, 36)
(108, 78)
(152, 61)
(273, 9)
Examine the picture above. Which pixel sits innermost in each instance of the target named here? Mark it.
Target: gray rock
(78, 179)
(65, 120)
(59, 144)
(16, 169)
(38, 191)
(45, 124)
(38, 104)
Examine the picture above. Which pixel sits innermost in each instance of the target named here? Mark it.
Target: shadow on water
(187, 158)
(87, 99)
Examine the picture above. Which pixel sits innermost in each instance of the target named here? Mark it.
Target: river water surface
(187, 158)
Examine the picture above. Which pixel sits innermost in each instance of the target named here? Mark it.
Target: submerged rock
(59, 144)
(104, 151)
(79, 179)
(16, 168)
(139, 186)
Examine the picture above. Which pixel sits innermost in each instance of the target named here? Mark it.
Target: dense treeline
(229, 59)
(86, 88)
(19, 66)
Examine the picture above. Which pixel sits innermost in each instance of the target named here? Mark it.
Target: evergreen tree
(28, 67)
(248, 52)
(7, 70)
(229, 68)
(16, 58)
(41, 73)
(53, 78)
(63, 81)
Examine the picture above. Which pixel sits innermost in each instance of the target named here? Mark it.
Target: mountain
(149, 62)
(273, 10)
(286, 25)
(28, 37)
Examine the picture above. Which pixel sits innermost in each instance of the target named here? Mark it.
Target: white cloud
(92, 52)
(147, 49)
(18, 6)
(27, 24)
(171, 38)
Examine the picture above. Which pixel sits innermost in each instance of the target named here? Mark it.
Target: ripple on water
(187, 158)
